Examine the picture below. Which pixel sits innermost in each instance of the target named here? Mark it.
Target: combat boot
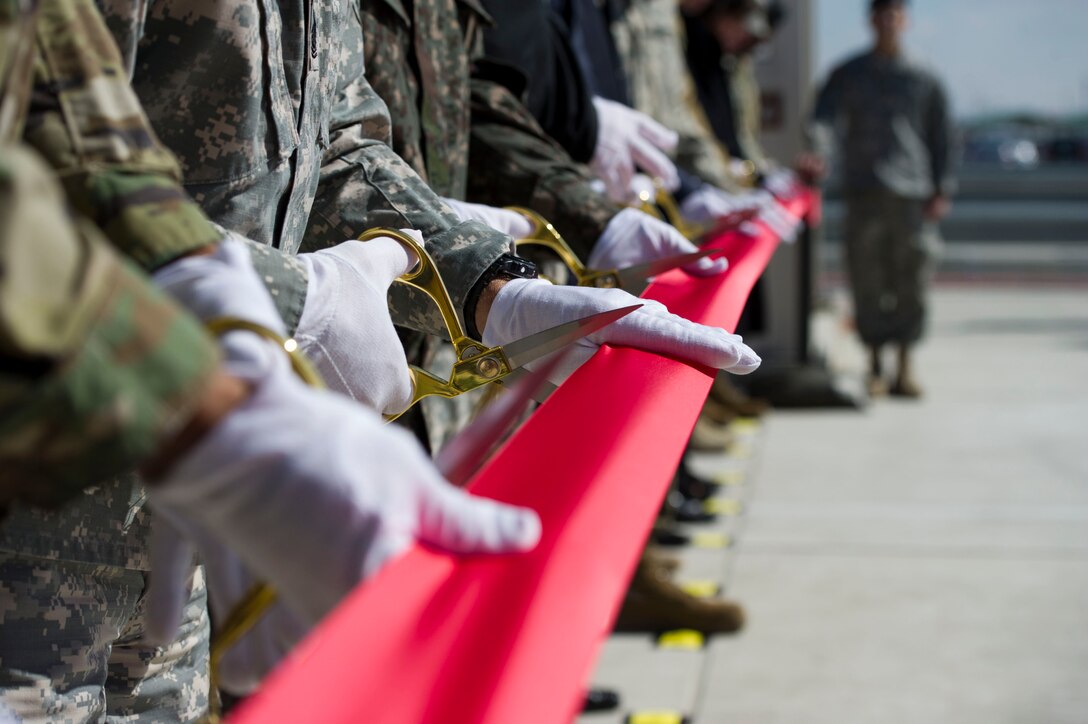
(654, 604)
(905, 383)
(728, 396)
(709, 436)
(662, 561)
(876, 385)
(718, 413)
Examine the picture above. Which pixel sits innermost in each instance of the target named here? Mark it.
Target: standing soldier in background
(897, 162)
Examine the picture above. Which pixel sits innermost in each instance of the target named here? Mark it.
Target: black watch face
(526, 268)
(519, 267)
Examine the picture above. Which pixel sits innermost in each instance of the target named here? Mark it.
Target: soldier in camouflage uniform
(443, 109)
(649, 37)
(72, 580)
(722, 37)
(82, 569)
(467, 134)
(292, 148)
(898, 161)
(102, 346)
(282, 139)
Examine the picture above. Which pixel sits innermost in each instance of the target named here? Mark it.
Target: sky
(994, 55)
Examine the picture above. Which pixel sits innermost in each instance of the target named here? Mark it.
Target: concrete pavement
(916, 562)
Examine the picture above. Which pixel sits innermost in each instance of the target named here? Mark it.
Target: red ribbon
(439, 638)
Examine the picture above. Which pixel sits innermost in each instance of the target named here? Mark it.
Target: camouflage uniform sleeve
(650, 39)
(514, 162)
(85, 119)
(364, 184)
(96, 366)
(87, 122)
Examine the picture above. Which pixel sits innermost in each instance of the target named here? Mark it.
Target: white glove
(526, 306)
(508, 222)
(709, 204)
(345, 328)
(785, 225)
(311, 491)
(633, 237)
(626, 140)
(253, 656)
(642, 187)
(314, 493)
(221, 284)
(782, 182)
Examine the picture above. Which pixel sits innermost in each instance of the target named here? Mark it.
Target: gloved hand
(710, 206)
(633, 237)
(785, 225)
(221, 284)
(345, 328)
(508, 222)
(626, 140)
(525, 306)
(311, 491)
(252, 657)
(642, 187)
(782, 182)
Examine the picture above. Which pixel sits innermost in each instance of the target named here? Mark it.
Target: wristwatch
(507, 266)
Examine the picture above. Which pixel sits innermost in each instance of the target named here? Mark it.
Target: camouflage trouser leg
(890, 250)
(72, 647)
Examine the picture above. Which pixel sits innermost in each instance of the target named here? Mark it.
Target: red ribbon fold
(439, 638)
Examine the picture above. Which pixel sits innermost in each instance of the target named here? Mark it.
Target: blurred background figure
(892, 118)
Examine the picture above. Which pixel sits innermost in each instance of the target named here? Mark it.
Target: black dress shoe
(685, 510)
(601, 700)
(669, 538)
(694, 487)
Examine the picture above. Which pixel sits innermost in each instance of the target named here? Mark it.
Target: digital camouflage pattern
(137, 384)
(90, 127)
(242, 93)
(890, 253)
(280, 136)
(650, 40)
(89, 387)
(515, 163)
(98, 367)
(893, 122)
(365, 184)
(419, 61)
(99, 668)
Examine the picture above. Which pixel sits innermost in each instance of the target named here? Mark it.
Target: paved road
(915, 563)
